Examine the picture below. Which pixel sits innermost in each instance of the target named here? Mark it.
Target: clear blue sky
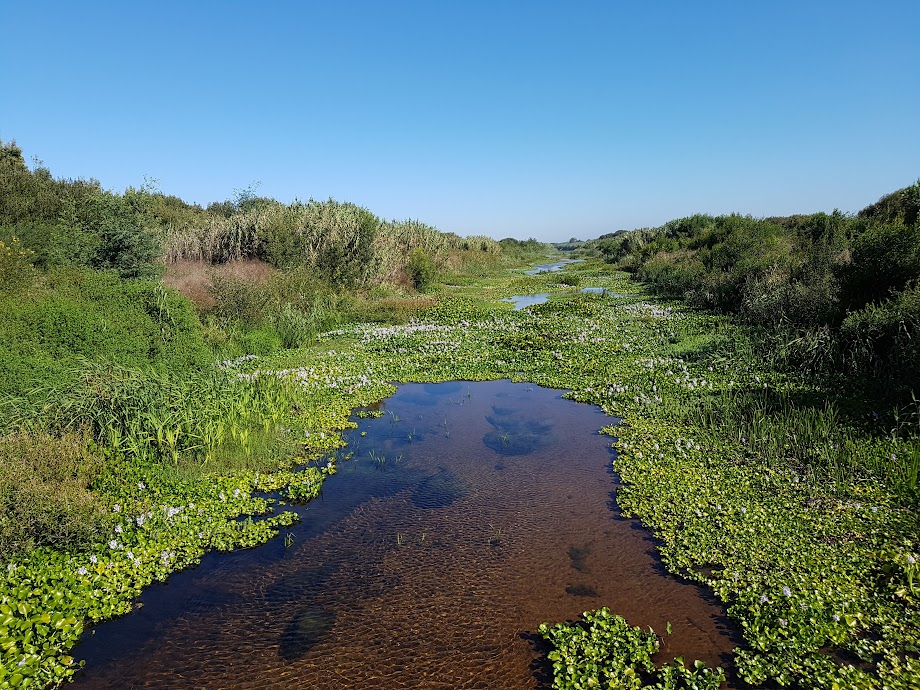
(544, 119)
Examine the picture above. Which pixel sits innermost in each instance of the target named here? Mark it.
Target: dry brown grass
(194, 278)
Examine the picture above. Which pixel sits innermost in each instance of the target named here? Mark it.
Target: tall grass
(153, 417)
(816, 442)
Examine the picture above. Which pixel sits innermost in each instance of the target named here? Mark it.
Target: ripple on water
(430, 573)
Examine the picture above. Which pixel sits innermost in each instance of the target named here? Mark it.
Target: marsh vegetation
(764, 370)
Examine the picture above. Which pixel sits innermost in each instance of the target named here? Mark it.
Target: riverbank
(756, 487)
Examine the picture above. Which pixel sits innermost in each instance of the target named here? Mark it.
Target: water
(603, 291)
(471, 513)
(552, 268)
(524, 301)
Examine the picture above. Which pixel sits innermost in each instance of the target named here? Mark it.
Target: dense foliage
(837, 292)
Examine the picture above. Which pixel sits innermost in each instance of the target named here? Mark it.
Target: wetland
(464, 516)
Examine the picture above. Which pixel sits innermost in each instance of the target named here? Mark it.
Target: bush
(421, 269)
(883, 341)
(96, 316)
(884, 259)
(237, 299)
(45, 494)
(292, 325)
(334, 239)
(16, 271)
(262, 341)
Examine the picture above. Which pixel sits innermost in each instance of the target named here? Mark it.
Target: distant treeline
(835, 292)
(78, 223)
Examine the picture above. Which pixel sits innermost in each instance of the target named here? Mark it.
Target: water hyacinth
(702, 461)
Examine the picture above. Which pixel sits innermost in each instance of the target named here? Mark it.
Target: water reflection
(524, 301)
(552, 268)
(425, 562)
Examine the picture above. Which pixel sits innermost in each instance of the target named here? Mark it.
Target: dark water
(471, 513)
(524, 301)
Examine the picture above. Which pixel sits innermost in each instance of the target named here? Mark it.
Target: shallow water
(551, 268)
(602, 291)
(524, 301)
(470, 513)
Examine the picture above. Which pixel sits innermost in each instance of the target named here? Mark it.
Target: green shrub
(237, 299)
(334, 239)
(570, 279)
(16, 271)
(292, 325)
(421, 269)
(261, 341)
(883, 341)
(45, 492)
(95, 315)
(884, 259)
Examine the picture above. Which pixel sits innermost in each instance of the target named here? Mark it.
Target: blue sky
(543, 119)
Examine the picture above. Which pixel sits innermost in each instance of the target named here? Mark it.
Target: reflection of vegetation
(581, 590)
(513, 435)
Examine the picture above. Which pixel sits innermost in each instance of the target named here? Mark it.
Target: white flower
(118, 529)
(82, 570)
(113, 544)
(787, 592)
(763, 599)
(140, 520)
(93, 559)
(116, 508)
(836, 618)
(911, 560)
(141, 486)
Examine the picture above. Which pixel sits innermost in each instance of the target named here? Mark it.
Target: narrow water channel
(552, 268)
(469, 514)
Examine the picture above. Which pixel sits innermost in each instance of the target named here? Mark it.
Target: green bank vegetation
(140, 422)
(831, 293)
